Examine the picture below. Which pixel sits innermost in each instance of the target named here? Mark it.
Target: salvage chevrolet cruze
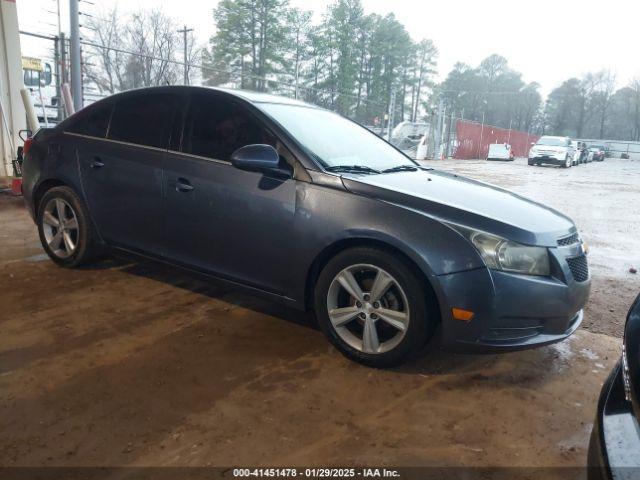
(301, 205)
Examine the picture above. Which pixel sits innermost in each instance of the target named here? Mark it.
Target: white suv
(553, 150)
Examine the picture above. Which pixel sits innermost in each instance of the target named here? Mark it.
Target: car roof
(258, 97)
(255, 98)
(249, 96)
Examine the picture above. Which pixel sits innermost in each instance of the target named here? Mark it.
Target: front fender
(326, 217)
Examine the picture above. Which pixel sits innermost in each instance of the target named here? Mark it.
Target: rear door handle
(183, 185)
(96, 163)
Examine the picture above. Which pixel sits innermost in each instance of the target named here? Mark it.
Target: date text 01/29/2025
(315, 473)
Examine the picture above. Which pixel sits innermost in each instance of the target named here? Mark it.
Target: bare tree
(106, 65)
(603, 96)
(137, 50)
(153, 38)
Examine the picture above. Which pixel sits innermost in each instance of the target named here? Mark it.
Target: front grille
(570, 240)
(579, 268)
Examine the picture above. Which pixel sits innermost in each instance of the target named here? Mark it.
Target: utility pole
(184, 32)
(438, 132)
(392, 109)
(76, 72)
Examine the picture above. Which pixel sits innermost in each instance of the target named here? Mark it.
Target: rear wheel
(373, 307)
(65, 231)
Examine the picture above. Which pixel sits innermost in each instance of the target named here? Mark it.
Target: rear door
(219, 219)
(122, 174)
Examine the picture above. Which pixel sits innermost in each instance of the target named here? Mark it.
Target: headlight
(500, 254)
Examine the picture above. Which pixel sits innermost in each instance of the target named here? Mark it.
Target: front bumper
(548, 159)
(511, 311)
(614, 448)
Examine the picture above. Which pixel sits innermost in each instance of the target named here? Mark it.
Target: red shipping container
(474, 140)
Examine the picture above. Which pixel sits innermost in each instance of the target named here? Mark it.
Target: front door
(235, 224)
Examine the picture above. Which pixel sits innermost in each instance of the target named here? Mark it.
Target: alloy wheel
(60, 227)
(368, 308)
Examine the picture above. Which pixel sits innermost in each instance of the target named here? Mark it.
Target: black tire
(85, 239)
(422, 317)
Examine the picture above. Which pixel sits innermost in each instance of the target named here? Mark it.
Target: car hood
(462, 201)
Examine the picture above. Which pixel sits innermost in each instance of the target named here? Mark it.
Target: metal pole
(64, 76)
(56, 54)
(392, 108)
(184, 32)
(438, 133)
(481, 133)
(76, 72)
(58, 14)
(449, 132)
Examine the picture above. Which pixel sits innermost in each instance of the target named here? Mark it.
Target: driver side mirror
(259, 158)
(533, 143)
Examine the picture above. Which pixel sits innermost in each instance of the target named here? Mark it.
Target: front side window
(216, 127)
(93, 122)
(335, 141)
(144, 119)
(46, 76)
(31, 78)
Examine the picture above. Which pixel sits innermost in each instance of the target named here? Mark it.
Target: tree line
(592, 107)
(353, 63)
(349, 61)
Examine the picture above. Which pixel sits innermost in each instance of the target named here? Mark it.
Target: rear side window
(216, 127)
(144, 119)
(94, 123)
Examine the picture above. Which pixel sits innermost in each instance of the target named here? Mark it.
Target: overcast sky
(547, 40)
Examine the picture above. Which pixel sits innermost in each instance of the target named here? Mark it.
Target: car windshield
(596, 147)
(335, 141)
(552, 141)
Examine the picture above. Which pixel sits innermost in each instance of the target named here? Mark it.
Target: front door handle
(96, 163)
(183, 185)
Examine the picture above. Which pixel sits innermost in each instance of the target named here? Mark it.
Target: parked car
(614, 449)
(552, 150)
(598, 152)
(500, 151)
(300, 205)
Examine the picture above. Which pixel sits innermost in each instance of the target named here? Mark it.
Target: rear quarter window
(94, 122)
(144, 119)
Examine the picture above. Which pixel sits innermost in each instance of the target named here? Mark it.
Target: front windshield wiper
(401, 168)
(352, 168)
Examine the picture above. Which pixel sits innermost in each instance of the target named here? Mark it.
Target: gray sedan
(302, 206)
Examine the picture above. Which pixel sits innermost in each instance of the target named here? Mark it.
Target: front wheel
(373, 307)
(567, 162)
